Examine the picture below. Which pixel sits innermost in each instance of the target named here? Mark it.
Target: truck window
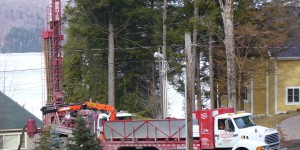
(244, 122)
(229, 125)
(195, 122)
(102, 119)
(124, 118)
(221, 124)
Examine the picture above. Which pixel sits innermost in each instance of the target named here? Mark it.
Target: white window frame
(19, 136)
(245, 91)
(286, 95)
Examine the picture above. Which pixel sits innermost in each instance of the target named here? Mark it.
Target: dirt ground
(290, 145)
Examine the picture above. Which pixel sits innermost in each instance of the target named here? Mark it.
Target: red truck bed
(162, 134)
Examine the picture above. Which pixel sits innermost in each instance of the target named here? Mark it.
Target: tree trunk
(164, 51)
(198, 79)
(211, 74)
(161, 89)
(239, 91)
(111, 63)
(164, 48)
(195, 61)
(227, 15)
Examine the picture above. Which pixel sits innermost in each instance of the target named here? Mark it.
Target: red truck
(213, 129)
(218, 129)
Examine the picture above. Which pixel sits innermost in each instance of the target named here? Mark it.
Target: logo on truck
(204, 115)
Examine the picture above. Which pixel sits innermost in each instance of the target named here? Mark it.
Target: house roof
(12, 115)
(292, 46)
(292, 52)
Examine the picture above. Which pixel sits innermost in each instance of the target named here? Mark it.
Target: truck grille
(272, 138)
(274, 146)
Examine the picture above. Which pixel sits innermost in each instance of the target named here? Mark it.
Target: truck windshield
(244, 122)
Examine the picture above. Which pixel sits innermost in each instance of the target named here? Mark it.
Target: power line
(34, 83)
(19, 70)
(132, 61)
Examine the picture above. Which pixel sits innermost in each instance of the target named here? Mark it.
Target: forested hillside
(21, 24)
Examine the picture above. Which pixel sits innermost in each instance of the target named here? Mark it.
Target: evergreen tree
(51, 140)
(138, 34)
(20, 40)
(85, 52)
(45, 140)
(83, 138)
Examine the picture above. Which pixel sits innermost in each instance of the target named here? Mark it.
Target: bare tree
(227, 15)
(154, 102)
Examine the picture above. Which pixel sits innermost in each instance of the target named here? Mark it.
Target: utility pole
(189, 84)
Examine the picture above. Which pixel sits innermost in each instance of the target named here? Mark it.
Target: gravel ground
(290, 129)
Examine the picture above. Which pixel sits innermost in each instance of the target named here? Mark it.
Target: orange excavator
(85, 105)
(95, 106)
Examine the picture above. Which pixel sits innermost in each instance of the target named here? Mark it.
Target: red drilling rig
(52, 39)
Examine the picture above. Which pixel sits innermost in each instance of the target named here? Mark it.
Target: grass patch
(271, 121)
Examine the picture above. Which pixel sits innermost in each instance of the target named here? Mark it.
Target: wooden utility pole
(189, 84)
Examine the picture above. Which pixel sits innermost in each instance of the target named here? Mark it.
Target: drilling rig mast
(52, 38)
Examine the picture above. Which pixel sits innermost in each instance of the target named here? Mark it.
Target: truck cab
(238, 131)
(222, 128)
(98, 124)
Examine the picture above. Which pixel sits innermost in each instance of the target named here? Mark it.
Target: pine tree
(51, 140)
(83, 138)
(45, 140)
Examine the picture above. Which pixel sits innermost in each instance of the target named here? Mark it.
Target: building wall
(288, 76)
(271, 88)
(263, 88)
(10, 140)
(259, 90)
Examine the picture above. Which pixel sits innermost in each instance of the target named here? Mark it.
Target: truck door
(101, 118)
(225, 135)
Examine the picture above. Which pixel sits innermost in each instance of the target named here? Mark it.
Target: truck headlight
(262, 148)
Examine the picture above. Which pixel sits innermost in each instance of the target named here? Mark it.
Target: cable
(133, 61)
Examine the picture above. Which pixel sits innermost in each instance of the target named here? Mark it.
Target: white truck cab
(104, 117)
(238, 131)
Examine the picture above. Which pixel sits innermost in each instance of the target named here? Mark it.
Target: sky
(22, 79)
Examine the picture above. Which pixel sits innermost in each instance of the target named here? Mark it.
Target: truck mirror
(227, 128)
